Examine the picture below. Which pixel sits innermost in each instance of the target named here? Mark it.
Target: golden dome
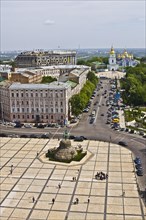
(112, 51)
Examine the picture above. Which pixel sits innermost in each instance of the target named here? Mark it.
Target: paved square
(27, 191)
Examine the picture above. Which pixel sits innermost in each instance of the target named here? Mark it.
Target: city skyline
(29, 25)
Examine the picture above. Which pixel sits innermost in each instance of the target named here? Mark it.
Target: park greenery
(134, 85)
(138, 115)
(80, 101)
(48, 79)
(90, 61)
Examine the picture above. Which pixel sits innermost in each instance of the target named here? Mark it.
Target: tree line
(80, 101)
(134, 85)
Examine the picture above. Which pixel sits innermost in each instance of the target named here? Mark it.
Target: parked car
(23, 136)
(45, 136)
(139, 172)
(137, 160)
(122, 143)
(138, 166)
(78, 139)
(40, 126)
(72, 137)
(84, 138)
(33, 136)
(27, 126)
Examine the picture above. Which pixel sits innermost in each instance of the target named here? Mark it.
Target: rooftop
(53, 85)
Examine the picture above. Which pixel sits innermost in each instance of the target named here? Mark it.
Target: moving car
(122, 143)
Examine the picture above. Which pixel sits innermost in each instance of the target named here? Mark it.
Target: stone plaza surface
(30, 177)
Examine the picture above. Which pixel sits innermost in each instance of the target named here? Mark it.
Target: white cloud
(49, 22)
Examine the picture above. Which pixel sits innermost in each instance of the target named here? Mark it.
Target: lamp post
(2, 111)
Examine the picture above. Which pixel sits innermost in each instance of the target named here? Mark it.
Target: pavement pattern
(28, 185)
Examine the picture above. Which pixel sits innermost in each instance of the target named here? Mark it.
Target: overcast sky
(27, 25)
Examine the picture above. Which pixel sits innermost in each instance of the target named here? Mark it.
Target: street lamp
(2, 111)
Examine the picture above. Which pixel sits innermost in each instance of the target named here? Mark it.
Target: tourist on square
(33, 199)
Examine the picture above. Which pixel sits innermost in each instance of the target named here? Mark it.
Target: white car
(27, 126)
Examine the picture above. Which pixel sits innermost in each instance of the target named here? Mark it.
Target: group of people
(101, 176)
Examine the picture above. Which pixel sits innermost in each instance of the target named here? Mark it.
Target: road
(99, 130)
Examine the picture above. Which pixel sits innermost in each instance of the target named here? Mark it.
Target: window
(46, 109)
(51, 109)
(61, 109)
(51, 116)
(37, 109)
(22, 109)
(27, 109)
(21, 94)
(31, 94)
(28, 116)
(42, 117)
(13, 109)
(61, 103)
(17, 94)
(27, 102)
(32, 116)
(17, 102)
(42, 110)
(46, 116)
(56, 109)
(17, 109)
(12, 94)
(13, 116)
(61, 117)
(22, 102)
(18, 116)
(32, 109)
(36, 95)
(23, 116)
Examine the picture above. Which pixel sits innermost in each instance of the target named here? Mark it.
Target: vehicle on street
(139, 172)
(122, 143)
(78, 138)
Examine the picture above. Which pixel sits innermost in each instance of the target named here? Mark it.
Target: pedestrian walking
(33, 199)
(88, 200)
(77, 200)
(53, 200)
(59, 185)
(123, 194)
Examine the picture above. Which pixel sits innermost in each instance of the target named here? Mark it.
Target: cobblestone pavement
(28, 185)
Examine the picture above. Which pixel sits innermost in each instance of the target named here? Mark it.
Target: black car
(40, 126)
(3, 135)
(72, 137)
(138, 166)
(33, 136)
(23, 136)
(122, 143)
(139, 172)
(45, 136)
(84, 138)
(78, 139)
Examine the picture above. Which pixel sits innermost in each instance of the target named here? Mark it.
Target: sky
(29, 25)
